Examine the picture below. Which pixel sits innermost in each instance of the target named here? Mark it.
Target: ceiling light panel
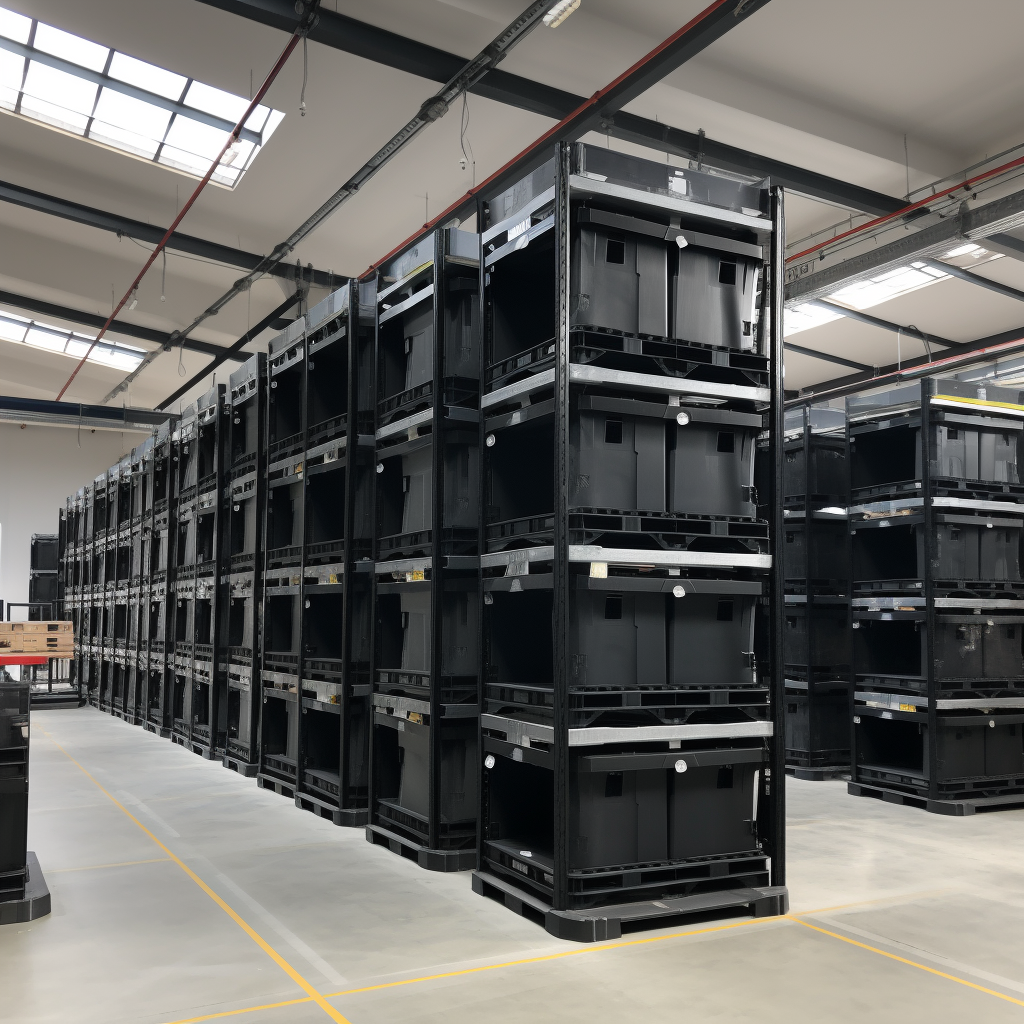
(82, 87)
(69, 343)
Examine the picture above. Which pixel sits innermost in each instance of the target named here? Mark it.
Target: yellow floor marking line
(911, 963)
(552, 956)
(314, 995)
(244, 1009)
(504, 963)
(119, 864)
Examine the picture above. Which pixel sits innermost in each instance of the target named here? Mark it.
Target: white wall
(39, 467)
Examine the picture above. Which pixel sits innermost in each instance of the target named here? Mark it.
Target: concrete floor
(897, 915)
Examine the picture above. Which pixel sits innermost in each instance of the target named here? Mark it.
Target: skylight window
(78, 86)
(890, 285)
(69, 343)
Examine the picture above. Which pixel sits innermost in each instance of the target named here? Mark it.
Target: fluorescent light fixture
(69, 343)
(961, 250)
(86, 89)
(560, 12)
(863, 295)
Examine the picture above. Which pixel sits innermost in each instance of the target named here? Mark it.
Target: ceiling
(872, 92)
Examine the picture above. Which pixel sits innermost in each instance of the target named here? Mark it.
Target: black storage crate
(14, 744)
(972, 755)
(627, 736)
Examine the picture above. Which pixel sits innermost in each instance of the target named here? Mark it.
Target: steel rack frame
(585, 904)
(158, 690)
(318, 758)
(817, 584)
(334, 724)
(241, 568)
(951, 743)
(283, 566)
(424, 733)
(201, 510)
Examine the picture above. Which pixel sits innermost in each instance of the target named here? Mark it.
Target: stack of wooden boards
(55, 639)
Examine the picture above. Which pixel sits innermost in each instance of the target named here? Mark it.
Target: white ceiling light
(78, 86)
(560, 12)
(69, 343)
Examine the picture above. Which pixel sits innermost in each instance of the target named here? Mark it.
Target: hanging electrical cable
(432, 109)
(308, 9)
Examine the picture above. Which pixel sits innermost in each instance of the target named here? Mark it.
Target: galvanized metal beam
(804, 282)
(885, 325)
(180, 242)
(413, 57)
(894, 373)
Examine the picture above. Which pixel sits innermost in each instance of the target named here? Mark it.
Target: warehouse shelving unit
(626, 780)
(936, 520)
(316, 596)
(423, 764)
(241, 568)
(199, 704)
(158, 537)
(817, 584)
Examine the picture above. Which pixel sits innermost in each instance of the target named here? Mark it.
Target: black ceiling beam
(885, 325)
(77, 316)
(981, 282)
(852, 383)
(42, 410)
(415, 58)
(226, 254)
(1007, 245)
(234, 350)
(827, 357)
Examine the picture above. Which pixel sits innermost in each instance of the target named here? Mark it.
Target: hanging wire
(163, 279)
(305, 75)
(467, 157)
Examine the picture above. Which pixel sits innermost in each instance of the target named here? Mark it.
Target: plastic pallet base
(197, 748)
(818, 774)
(280, 788)
(44, 702)
(351, 817)
(36, 901)
(958, 808)
(160, 730)
(607, 922)
(244, 768)
(431, 860)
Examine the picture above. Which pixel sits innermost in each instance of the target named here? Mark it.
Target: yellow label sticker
(908, 707)
(416, 576)
(333, 578)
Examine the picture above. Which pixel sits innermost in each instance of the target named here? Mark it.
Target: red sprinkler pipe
(554, 130)
(232, 139)
(967, 183)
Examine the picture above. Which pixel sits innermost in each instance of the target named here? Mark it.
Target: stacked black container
(936, 521)
(23, 892)
(198, 719)
(241, 566)
(43, 581)
(316, 601)
(630, 767)
(158, 532)
(424, 765)
(817, 584)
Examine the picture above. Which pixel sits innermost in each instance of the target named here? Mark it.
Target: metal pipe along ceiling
(432, 109)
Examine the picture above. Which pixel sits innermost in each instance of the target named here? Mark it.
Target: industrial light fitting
(560, 12)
